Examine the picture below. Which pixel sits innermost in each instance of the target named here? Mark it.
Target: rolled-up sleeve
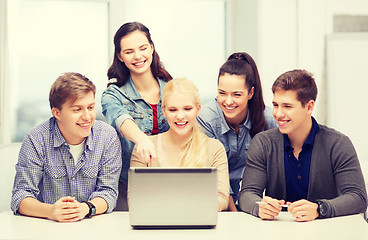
(29, 171)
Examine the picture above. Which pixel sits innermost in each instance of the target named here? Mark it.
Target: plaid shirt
(46, 169)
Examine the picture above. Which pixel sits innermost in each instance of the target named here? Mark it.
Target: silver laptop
(172, 197)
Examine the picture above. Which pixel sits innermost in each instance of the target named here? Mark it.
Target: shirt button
(299, 177)
(299, 165)
(70, 157)
(73, 178)
(163, 121)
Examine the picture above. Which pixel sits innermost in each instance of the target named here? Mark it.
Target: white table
(230, 226)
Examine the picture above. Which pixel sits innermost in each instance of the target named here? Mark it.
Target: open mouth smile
(84, 125)
(181, 124)
(229, 108)
(282, 122)
(139, 64)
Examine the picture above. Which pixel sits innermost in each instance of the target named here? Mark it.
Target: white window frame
(115, 21)
(4, 70)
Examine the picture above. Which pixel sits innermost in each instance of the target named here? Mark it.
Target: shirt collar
(224, 126)
(59, 140)
(312, 134)
(310, 139)
(247, 122)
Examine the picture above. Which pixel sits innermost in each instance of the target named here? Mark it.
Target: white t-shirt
(77, 150)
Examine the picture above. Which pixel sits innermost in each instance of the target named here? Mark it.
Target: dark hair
(300, 81)
(69, 85)
(118, 69)
(242, 64)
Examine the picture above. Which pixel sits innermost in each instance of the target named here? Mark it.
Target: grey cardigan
(335, 174)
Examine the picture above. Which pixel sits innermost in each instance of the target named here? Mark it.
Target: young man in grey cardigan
(309, 167)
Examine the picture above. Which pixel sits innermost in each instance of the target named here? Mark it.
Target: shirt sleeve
(254, 177)
(112, 107)
(220, 162)
(135, 161)
(204, 123)
(29, 172)
(108, 177)
(349, 181)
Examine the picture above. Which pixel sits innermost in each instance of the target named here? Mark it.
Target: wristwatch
(92, 209)
(322, 209)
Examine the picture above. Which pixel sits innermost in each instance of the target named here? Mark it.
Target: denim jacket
(125, 102)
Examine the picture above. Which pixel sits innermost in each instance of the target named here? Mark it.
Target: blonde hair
(196, 148)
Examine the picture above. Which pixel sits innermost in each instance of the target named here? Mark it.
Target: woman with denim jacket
(132, 101)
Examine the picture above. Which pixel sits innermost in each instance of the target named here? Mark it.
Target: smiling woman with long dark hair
(237, 114)
(132, 101)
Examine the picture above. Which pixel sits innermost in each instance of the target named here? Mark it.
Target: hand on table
(67, 209)
(303, 210)
(269, 208)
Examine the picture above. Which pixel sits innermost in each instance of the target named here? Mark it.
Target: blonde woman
(184, 144)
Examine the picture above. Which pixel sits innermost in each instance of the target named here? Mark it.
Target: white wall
(279, 34)
(347, 81)
(277, 50)
(283, 35)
